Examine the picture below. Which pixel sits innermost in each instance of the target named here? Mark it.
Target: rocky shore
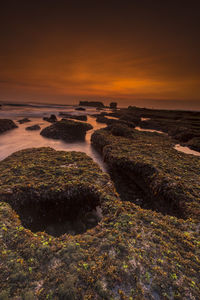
(169, 178)
(183, 126)
(70, 231)
(132, 253)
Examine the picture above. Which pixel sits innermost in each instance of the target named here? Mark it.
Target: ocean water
(20, 138)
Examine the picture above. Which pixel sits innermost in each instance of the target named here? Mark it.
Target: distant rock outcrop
(80, 108)
(24, 120)
(67, 130)
(50, 119)
(91, 103)
(68, 116)
(113, 105)
(6, 124)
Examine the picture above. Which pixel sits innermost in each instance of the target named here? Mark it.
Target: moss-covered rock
(6, 124)
(50, 194)
(67, 130)
(194, 143)
(121, 130)
(168, 177)
(102, 119)
(131, 254)
(183, 126)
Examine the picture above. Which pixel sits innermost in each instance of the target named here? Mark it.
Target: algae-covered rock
(51, 193)
(121, 130)
(6, 124)
(102, 119)
(194, 143)
(131, 254)
(181, 125)
(170, 179)
(67, 130)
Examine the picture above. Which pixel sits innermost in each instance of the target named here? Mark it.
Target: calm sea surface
(19, 138)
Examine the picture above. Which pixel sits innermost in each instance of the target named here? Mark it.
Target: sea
(20, 138)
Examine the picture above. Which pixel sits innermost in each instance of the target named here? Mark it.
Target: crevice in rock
(133, 189)
(59, 215)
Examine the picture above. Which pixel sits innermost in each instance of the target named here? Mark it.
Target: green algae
(131, 254)
(42, 184)
(183, 126)
(168, 177)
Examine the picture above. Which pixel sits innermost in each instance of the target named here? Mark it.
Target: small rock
(24, 120)
(34, 127)
(51, 119)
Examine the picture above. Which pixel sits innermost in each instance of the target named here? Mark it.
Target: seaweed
(132, 253)
(170, 179)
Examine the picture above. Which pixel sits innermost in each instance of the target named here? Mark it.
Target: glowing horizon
(127, 52)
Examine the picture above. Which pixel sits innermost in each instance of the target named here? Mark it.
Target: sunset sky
(144, 53)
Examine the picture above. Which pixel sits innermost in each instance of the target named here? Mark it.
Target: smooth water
(149, 130)
(145, 119)
(186, 150)
(20, 138)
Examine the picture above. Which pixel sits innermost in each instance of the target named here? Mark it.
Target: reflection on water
(111, 117)
(145, 119)
(186, 150)
(19, 138)
(13, 112)
(149, 130)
